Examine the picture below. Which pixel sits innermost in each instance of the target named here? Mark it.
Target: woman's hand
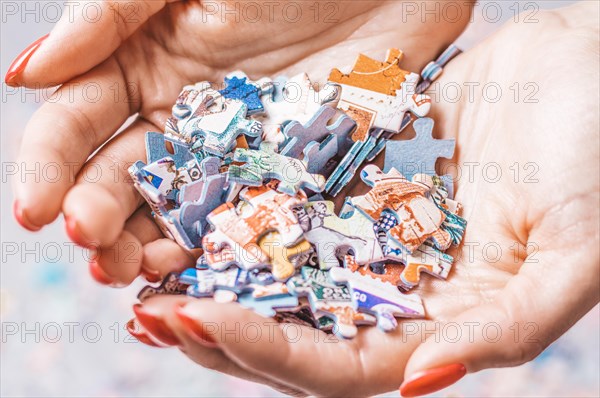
(528, 267)
(545, 273)
(134, 60)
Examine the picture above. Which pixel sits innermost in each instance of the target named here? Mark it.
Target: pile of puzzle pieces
(245, 173)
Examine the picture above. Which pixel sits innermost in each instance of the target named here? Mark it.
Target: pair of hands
(528, 178)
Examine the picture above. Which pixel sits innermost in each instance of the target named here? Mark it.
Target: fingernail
(75, 234)
(134, 329)
(22, 219)
(19, 64)
(99, 275)
(195, 328)
(155, 326)
(432, 380)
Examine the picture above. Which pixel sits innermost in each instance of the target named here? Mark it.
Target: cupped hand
(528, 267)
(133, 58)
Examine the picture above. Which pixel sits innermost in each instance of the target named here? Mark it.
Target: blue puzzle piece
(318, 156)
(298, 136)
(156, 150)
(419, 154)
(239, 87)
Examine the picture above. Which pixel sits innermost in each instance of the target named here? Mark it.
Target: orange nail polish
(140, 335)
(22, 219)
(432, 380)
(155, 326)
(74, 233)
(194, 328)
(98, 274)
(19, 64)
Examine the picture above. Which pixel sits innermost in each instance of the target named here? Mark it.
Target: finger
(303, 357)
(119, 264)
(60, 136)
(159, 317)
(86, 35)
(104, 197)
(164, 255)
(536, 307)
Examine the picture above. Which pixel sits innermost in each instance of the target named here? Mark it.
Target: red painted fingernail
(19, 64)
(432, 380)
(99, 275)
(140, 335)
(155, 326)
(22, 219)
(195, 328)
(74, 233)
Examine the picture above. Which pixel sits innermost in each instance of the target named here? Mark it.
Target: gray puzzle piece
(419, 154)
(317, 129)
(200, 198)
(317, 156)
(156, 150)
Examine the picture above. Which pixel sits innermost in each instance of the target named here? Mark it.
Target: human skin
(546, 274)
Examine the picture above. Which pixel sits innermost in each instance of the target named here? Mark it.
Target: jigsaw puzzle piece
(240, 87)
(156, 149)
(370, 74)
(166, 220)
(281, 257)
(418, 217)
(265, 163)
(382, 299)
(328, 299)
(333, 235)
(318, 156)
(267, 210)
(210, 192)
(171, 284)
(425, 259)
(418, 155)
(219, 130)
(193, 103)
(296, 100)
(325, 122)
(206, 282)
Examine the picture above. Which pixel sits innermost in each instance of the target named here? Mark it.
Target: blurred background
(64, 335)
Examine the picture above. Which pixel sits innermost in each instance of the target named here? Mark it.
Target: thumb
(86, 34)
(536, 307)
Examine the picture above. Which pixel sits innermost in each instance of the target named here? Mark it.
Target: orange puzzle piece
(370, 74)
